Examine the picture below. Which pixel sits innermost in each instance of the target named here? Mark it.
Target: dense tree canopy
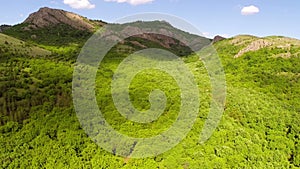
(259, 128)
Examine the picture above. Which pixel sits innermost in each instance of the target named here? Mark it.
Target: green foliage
(26, 83)
(58, 35)
(259, 129)
(12, 47)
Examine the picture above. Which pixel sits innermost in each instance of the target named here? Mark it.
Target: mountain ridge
(65, 27)
(58, 27)
(48, 17)
(248, 43)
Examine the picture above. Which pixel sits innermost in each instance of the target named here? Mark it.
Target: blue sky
(211, 17)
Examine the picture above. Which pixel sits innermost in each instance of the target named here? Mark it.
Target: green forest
(39, 127)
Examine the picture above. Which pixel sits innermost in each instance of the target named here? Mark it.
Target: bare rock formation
(45, 17)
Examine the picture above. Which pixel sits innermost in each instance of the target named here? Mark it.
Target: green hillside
(39, 127)
(259, 128)
(13, 47)
(27, 74)
(56, 35)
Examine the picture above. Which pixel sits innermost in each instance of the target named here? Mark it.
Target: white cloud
(225, 35)
(250, 10)
(132, 2)
(206, 34)
(54, 2)
(79, 4)
(211, 35)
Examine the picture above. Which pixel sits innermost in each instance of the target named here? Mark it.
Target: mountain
(269, 63)
(157, 34)
(287, 46)
(39, 127)
(57, 27)
(54, 27)
(218, 38)
(271, 46)
(46, 17)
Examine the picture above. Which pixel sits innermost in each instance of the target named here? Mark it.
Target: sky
(211, 17)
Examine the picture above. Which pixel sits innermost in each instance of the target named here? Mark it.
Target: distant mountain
(54, 27)
(159, 34)
(218, 38)
(46, 17)
(280, 46)
(57, 27)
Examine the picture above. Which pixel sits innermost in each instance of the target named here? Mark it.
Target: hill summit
(45, 17)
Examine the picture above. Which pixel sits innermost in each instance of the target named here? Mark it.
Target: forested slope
(259, 128)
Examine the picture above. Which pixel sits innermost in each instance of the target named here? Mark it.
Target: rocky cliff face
(45, 17)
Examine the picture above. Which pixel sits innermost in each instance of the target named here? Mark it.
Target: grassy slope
(19, 47)
(58, 35)
(259, 128)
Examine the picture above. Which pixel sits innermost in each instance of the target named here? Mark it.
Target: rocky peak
(218, 38)
(45, 17)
